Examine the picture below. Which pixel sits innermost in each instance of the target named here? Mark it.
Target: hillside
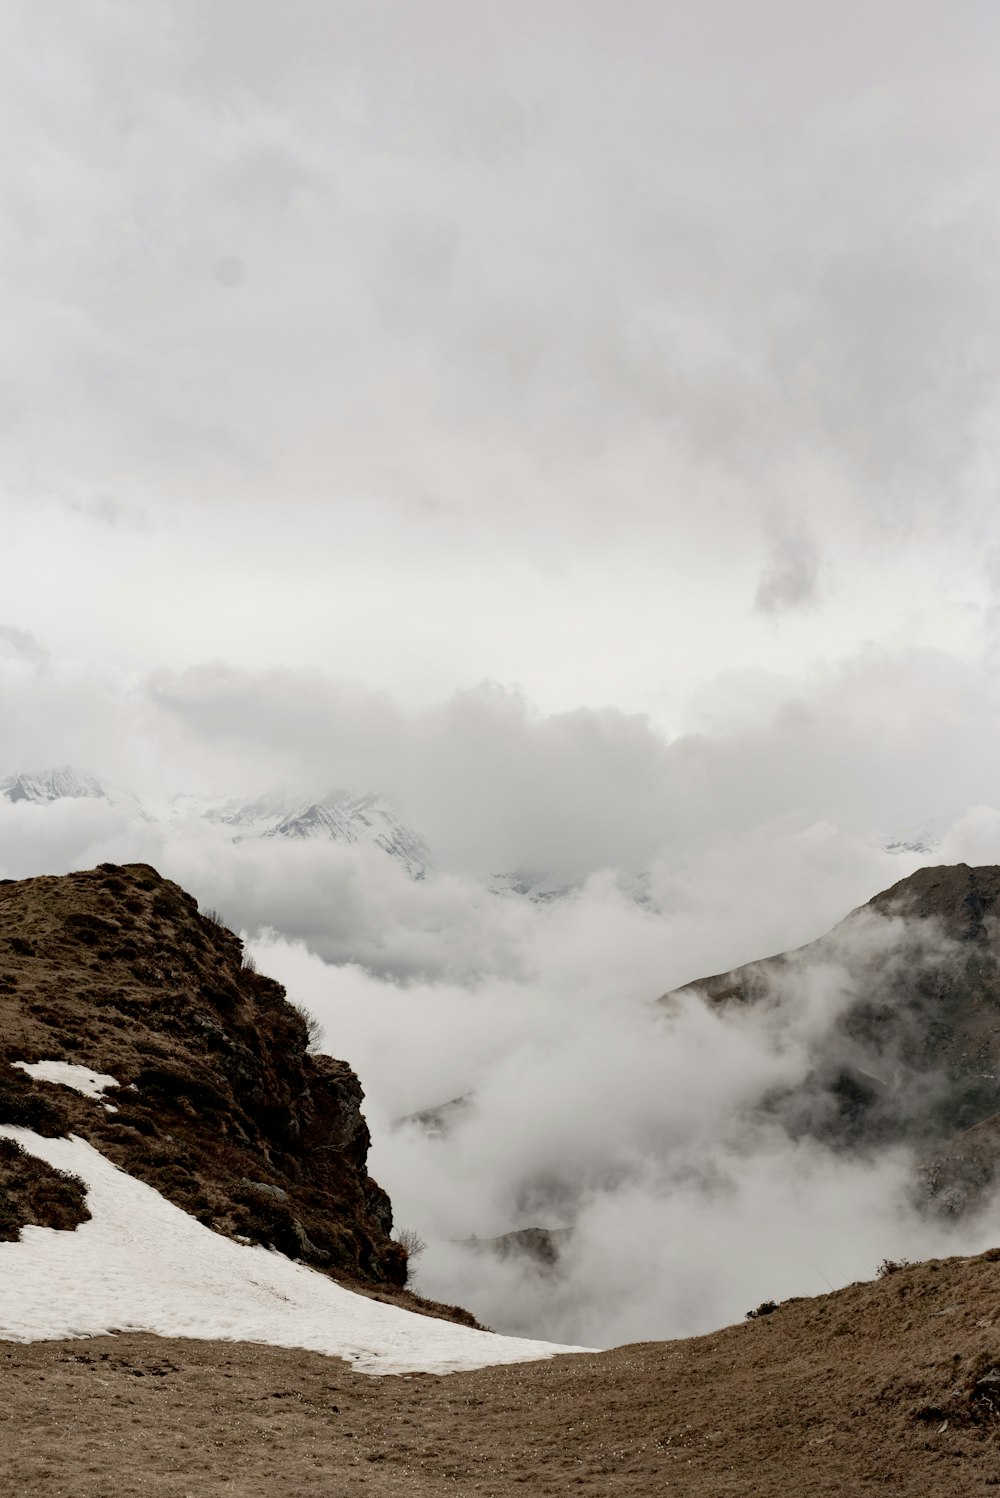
(885, 1387)
(913, 1055)
(221, 1107)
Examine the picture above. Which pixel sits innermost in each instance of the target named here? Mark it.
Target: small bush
(412, 1245)
(314, 1030)
(33, 1192)
(891, 1266)
(215, 916)
(24, 1105)
(764, 1309)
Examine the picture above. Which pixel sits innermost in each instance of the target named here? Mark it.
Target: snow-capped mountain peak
(42, 786)
(65, 783)
(339, 816)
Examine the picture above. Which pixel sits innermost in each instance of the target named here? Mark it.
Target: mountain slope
(220, 1107)
(64, 783)
(913, 1054)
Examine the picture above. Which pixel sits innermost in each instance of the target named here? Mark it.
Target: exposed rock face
(540, 1247)
(914, 1053)
(221, 1107)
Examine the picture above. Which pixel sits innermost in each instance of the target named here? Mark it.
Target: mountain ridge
(221, 1105)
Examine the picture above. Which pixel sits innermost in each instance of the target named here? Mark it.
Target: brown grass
(33, 1192)
(886, 1387)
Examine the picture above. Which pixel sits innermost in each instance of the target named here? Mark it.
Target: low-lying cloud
(645, 1135)
(640, 1132)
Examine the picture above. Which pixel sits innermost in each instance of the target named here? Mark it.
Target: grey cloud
(790, 577)
(882, 742)
(601, 263)
(108, 510)
(23, 643)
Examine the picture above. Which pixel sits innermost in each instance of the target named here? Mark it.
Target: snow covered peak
(43, 786)
(64, 783)
(340, 816)
(529, 884)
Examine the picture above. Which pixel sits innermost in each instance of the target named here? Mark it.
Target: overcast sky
(640, 356)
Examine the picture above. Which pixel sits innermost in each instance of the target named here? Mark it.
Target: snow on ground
(80, 1078)
(141, 1264)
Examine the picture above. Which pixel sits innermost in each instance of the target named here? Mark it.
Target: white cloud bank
(644, 1131)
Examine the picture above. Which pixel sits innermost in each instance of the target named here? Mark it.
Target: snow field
(141, 1264)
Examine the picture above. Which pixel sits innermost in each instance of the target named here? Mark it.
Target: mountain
(913, 1055)
(42, 787)
(218, 1102)
(529, 884)
(367, 820)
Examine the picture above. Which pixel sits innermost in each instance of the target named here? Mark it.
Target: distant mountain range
(338, 816)
(369, 819)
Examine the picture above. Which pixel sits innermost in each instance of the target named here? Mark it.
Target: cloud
(21, 642)
(108, 510)
(882, 741)
(648, 1137)
(790, 576)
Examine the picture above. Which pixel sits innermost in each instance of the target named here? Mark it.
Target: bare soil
(887, 1387)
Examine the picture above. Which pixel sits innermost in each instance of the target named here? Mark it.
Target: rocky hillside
(913, 1055)
(221, 1106)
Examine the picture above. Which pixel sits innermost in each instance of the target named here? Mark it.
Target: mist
(643, 1133)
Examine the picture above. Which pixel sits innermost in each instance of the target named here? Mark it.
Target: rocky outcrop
(221, 1106)
(913, 1053)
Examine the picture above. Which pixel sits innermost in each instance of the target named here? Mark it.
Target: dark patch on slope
(35, 1193)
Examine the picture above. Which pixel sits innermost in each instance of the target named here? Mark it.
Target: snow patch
(80, 1078)
(141, 1264)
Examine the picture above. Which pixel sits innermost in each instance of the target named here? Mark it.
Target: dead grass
(884, 1387)
(32, 1192)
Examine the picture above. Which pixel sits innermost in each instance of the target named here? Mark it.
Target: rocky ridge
(221, 1105)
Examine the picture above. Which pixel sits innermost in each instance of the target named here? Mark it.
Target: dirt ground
(889, 1387)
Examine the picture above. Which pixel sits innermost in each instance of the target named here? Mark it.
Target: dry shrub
(33, 1192)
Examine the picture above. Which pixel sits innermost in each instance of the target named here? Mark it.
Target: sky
(577, 422)
(429, 345)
